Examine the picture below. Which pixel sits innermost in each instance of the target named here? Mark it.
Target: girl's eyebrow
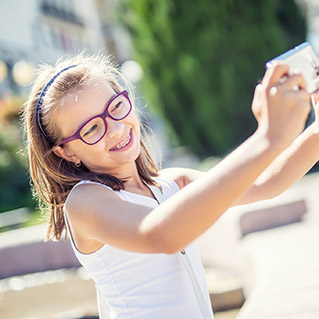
(110, 100)
(75, 130)
(106, 105)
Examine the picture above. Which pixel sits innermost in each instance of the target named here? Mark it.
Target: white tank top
(144, 286)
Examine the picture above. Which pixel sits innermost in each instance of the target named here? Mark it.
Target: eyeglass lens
(95, 129)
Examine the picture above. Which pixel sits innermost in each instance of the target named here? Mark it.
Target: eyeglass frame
(77, 136)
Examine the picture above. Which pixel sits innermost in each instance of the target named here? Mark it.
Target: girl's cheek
(134, 117)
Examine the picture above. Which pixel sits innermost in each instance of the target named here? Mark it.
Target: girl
(132, 226)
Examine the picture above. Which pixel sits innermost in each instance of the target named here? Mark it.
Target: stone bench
(281, 263)
(271, 217)
(282, 273)
(23, 251)
(14, 218)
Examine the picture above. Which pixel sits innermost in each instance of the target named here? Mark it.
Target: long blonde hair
(52, 176)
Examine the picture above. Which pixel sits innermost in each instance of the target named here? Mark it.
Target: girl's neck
(131, 177)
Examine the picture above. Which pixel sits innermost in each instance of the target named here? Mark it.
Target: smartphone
(304, 59)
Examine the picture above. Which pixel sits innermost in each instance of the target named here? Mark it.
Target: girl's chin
(116, 164)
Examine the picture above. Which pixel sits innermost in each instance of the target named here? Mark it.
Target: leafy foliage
(202, 60)
(14, 180)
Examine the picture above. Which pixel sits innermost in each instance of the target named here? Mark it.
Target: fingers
(315, 103)
(257, 101)
(294, 82)
(284, 103)
(279, 74)
(258, 93)
(274, 74)
(315, 98)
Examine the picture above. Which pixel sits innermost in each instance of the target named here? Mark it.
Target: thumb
(315, 98)
(256, 104)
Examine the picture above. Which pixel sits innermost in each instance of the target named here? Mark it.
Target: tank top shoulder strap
(90, 182)
(168, 186)
(119, 193)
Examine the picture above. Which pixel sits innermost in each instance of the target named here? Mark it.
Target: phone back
(304, 59)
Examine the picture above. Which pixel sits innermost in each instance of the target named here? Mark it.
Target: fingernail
(296, 71)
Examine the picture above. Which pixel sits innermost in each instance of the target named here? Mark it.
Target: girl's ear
(64, 153)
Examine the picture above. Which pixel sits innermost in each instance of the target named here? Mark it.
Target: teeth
(124, 143)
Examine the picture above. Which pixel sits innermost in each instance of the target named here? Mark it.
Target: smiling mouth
(123, 143)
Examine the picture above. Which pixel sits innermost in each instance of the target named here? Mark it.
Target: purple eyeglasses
(94, 129)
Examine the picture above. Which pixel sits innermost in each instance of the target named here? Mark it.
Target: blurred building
(35, 31)
(310, 9)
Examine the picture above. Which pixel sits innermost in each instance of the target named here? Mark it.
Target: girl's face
(117, 150)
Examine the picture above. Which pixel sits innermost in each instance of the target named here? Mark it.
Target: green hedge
(14, 179)
(202, 60)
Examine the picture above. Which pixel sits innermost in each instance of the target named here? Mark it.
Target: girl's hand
(281, 105)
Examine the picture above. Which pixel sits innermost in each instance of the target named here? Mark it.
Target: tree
(203, 59)
(14, 179)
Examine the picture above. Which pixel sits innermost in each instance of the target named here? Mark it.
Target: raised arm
(293, 163)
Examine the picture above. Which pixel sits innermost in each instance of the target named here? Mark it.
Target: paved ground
(279, 268)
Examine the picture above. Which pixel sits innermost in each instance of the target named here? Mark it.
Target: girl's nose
(114, 128)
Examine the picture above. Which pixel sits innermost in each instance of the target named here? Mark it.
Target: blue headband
(39, 103)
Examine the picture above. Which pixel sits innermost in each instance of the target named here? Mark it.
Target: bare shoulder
(86, 194)
(86, 199)
(182, 176)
